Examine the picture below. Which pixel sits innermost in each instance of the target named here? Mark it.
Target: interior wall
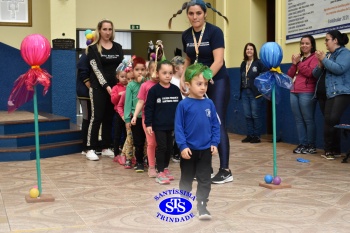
(63, 23)
(150, 15)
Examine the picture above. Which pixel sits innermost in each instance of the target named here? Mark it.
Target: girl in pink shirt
(128, 153)
(119, 125)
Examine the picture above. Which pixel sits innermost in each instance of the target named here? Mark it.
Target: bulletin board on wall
(316, 17)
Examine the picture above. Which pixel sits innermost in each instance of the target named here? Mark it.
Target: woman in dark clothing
(104, 56)
(252, 100)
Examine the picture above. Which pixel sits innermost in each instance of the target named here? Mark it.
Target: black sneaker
(203, 213)
(328, 156)
(247, 139)
(255, 139)
(310, 149)
(300, 148)
(139, 168)
(222, 177)
(176, 159)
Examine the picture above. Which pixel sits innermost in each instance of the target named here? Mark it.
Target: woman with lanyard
(252, 100)
(204, 43)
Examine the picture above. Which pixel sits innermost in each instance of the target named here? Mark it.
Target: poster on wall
(316, 17)
(16, 13)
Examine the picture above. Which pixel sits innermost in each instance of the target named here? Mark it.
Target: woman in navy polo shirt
(204, 43)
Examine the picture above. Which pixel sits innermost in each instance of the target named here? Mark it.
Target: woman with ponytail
(204, 43)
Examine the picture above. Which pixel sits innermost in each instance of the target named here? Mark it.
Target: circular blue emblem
(175, 206)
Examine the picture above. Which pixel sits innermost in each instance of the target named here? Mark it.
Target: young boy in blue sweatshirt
(197, 134)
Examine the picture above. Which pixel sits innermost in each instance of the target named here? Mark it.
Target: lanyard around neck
(196, 45)
(247, 67)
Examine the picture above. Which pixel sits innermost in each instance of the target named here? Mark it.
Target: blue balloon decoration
(88, 31)
(268, 179)
(271, 54)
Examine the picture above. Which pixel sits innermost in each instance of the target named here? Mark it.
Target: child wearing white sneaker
(197, 134)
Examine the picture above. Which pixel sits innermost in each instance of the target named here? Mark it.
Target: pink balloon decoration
(35, 50)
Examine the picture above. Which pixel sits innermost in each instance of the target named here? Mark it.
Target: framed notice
(316, 18)
(16, 13)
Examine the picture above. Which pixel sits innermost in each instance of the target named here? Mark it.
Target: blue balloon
(268, 179)
(271, 54)
(88, 31)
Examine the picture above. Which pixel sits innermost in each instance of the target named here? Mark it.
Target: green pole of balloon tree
(274, 130)
(37, 144)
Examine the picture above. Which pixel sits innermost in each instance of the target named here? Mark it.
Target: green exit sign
(132, 26)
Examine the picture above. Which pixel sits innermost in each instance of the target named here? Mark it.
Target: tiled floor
(104, 197)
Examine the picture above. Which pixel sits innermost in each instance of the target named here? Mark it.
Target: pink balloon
(35, 49)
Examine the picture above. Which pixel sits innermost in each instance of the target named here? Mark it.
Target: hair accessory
(125, 65)
(196, 69)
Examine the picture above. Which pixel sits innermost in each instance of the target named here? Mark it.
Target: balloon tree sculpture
(35, 50)
(271, 55)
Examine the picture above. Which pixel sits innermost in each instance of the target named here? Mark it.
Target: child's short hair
(165, 62)
(196, 69)
(177, 60)
(138, 60)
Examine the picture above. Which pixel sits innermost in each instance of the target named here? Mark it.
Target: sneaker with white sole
(168, 174)
(90, 155)
(222, 177)
(203, 213)
(162, 178)
(176, 158)
(107, 152)
(328, 156)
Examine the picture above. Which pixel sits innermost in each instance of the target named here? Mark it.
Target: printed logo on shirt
(202, 44)
(159, 100)
(255, 69)
(110, 56)
(208, 112)
(168, 99)
(175, 205)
